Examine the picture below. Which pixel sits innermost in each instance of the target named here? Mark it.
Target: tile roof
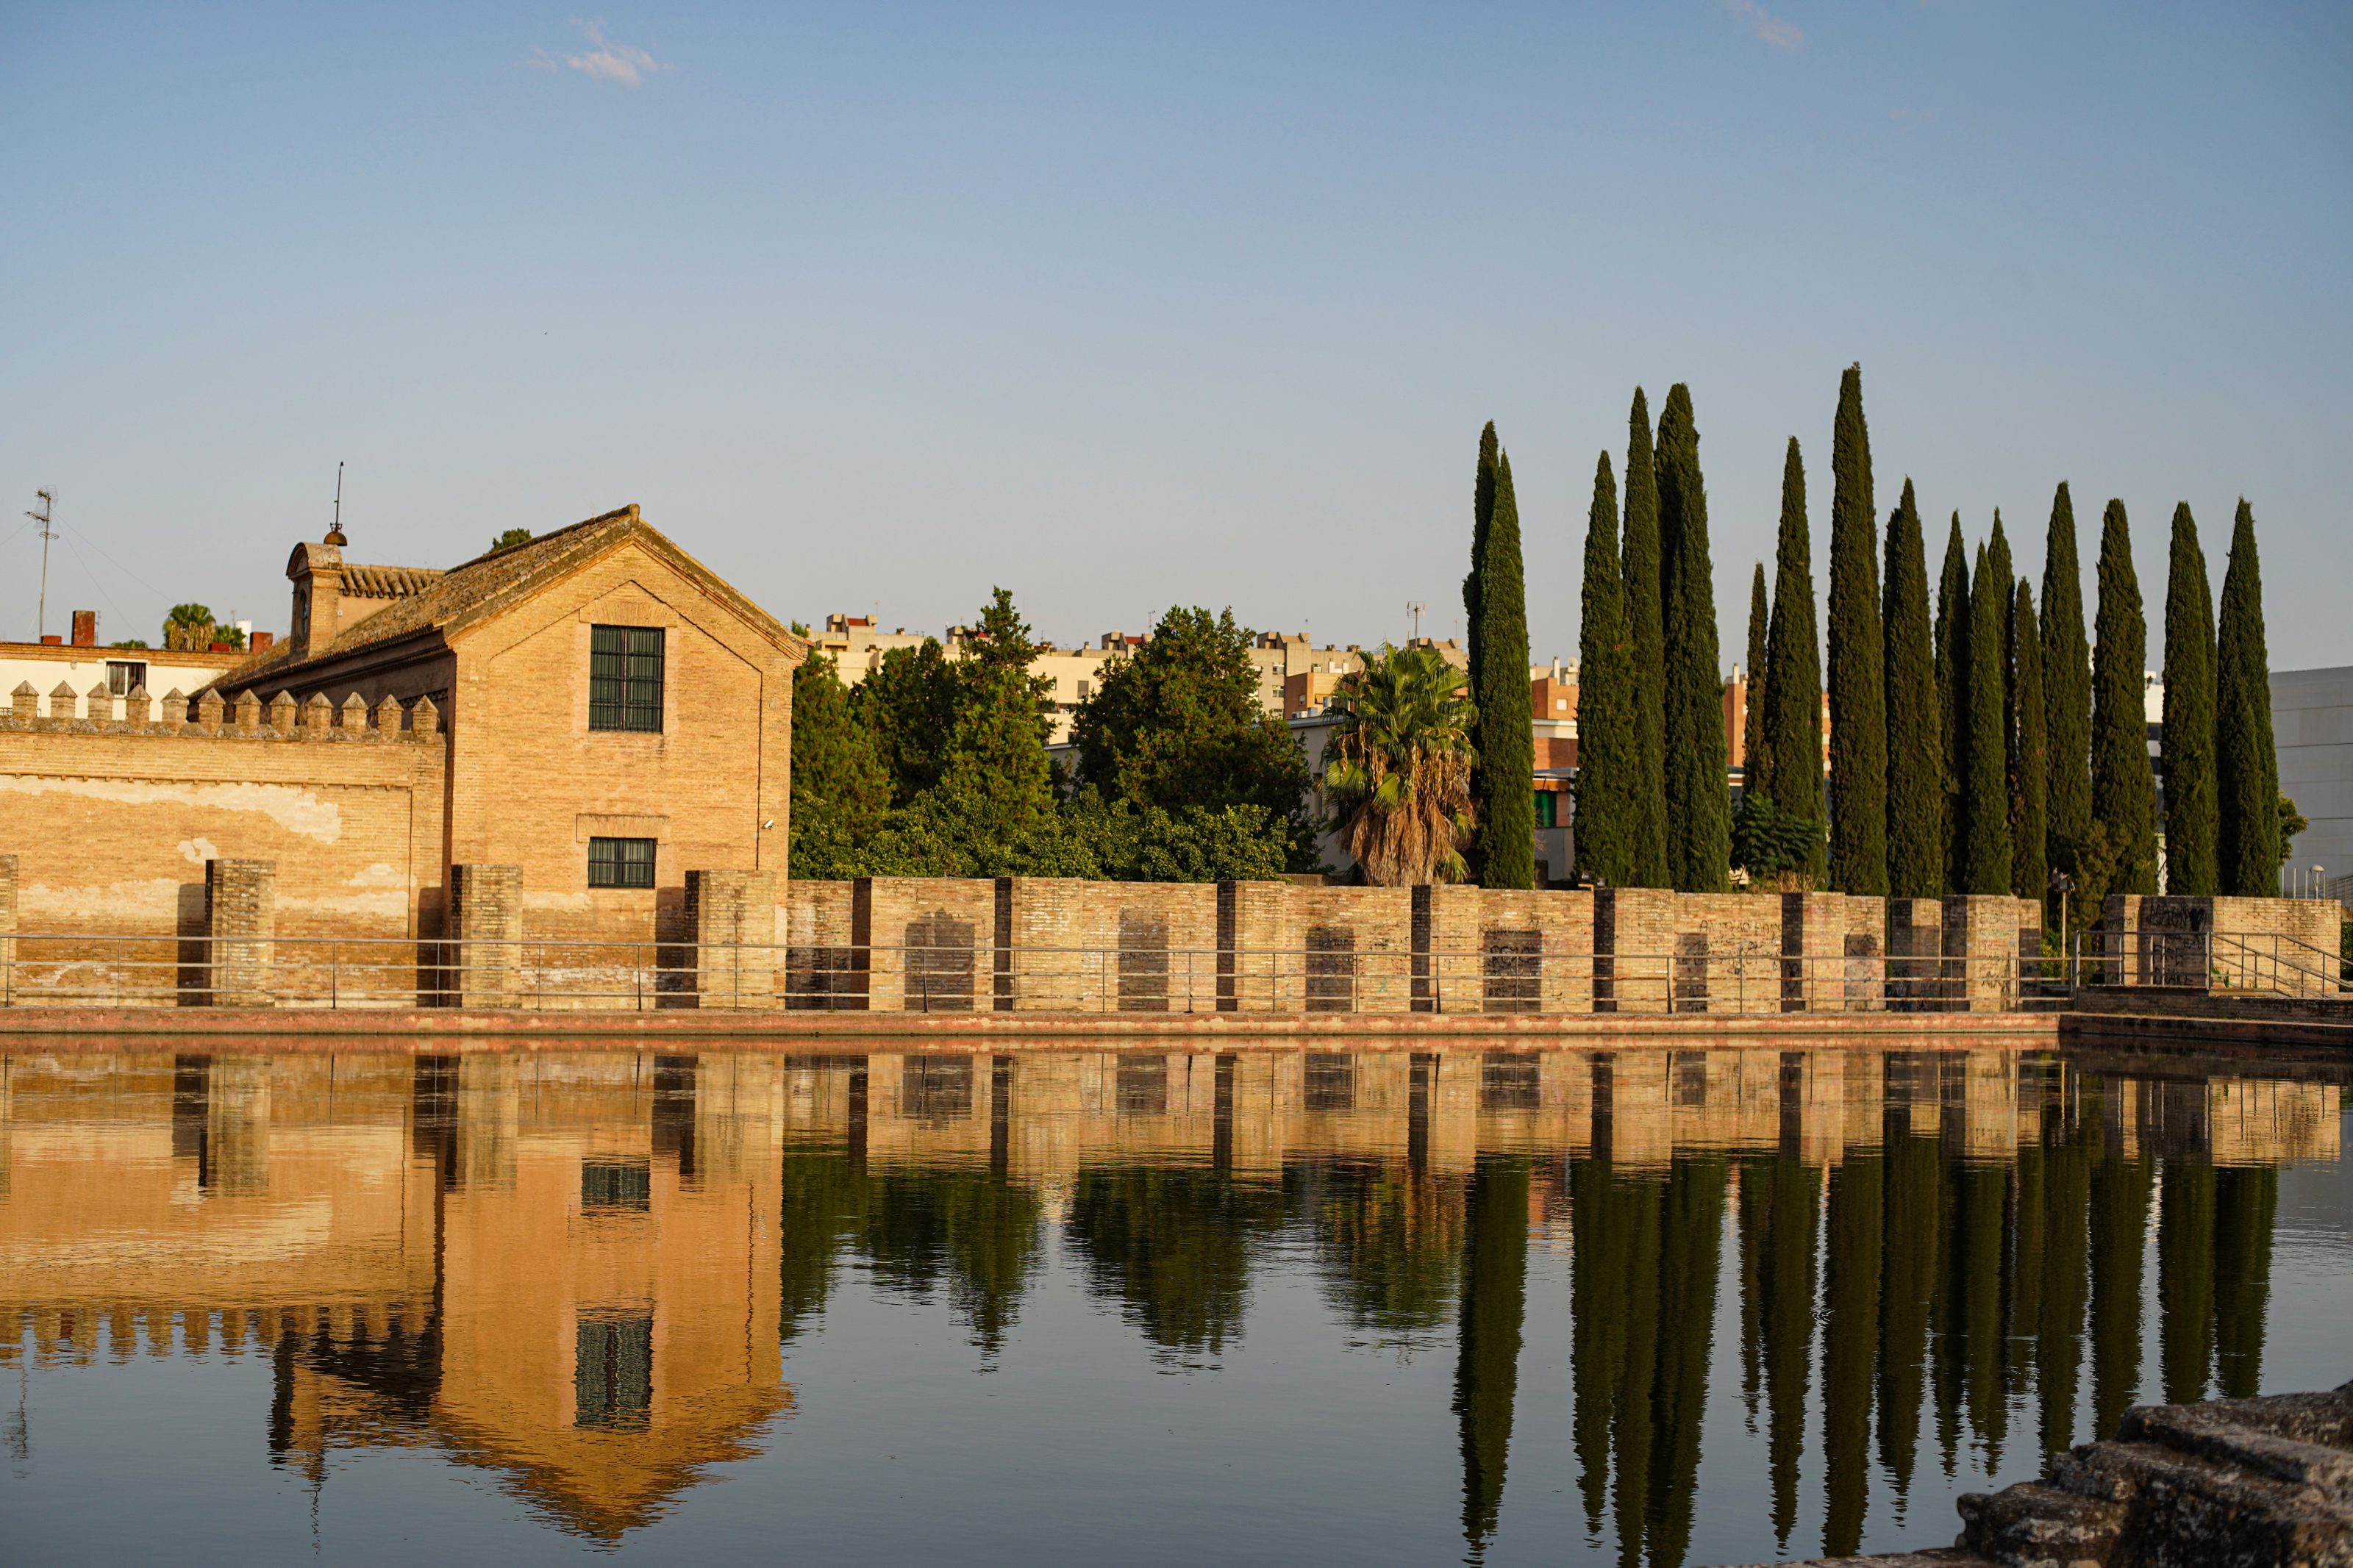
(491, 581)
(390, 582)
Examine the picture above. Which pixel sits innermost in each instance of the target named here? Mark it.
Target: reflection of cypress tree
(1983, 1222)
(1173, 1247)
(2119, 1213)
(2058, 1342)
(1603, 1272)
(1910, 1281)
(2245, 1203)
(2029, 1217)
(1689, 1249)
(818, 1197)
(1790, 1265)
(1755, 1225)
(1487, 1369)
(1638, 1425)
(2185, 1278)
(1388, 1245)
(1850, 1346)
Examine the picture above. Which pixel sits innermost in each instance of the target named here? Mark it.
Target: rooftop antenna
(41, 615)
(1414, 608)
(336, 533)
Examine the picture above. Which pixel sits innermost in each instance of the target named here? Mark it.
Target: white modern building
(2311, 726)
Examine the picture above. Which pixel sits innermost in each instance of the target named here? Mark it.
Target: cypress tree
(2030, 781)
(1482, 514)
(1608, 745)
(2246, 759)
(1860, 713)
(1755, 744)
(2189, 728)
(1793, 666)
(2066, 685)
(2006, 575)
(1505, 792)
(1915, 722)
(1952, 703)
(1988, 757)
(1699, 801)
(2123, 791)
(1645, 630)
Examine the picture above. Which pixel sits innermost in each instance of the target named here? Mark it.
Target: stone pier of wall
(730, 917)
(485, 960)
(8, 924)
(241, 931)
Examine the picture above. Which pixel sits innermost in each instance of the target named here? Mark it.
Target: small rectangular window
(620, 862)
(124, 676)
(1547, 809)
(625, 678)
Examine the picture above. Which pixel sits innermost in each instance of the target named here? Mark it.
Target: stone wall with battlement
(113, 811)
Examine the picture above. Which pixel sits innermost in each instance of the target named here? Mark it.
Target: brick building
(593, 707)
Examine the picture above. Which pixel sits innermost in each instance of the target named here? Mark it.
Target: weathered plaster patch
(392, 905)
(197, 851)
(292, 807)
(156, 898)
(379, 874)
(574, 903)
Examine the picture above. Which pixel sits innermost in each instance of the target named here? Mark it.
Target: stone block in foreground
(2232, 1483)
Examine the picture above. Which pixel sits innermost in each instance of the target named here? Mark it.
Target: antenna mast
(41, 615)
(1415, 607)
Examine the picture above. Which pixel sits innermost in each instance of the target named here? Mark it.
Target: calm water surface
(1643, 1306)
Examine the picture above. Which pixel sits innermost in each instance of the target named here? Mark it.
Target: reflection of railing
(1510, 971)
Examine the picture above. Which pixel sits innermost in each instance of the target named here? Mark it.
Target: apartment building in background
(109, 675)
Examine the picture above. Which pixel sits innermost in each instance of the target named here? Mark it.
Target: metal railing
(1510, 971)
(2236, 962)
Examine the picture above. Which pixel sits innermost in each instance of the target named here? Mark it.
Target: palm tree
(189, 626)
(1400, 780)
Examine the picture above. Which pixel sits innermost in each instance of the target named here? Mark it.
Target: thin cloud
(1772, 29)
(602, 60)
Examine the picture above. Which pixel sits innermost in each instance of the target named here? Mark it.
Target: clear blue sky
(1121, 307)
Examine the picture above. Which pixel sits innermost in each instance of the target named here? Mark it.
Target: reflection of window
(625, 678)
(610, 1185)
(613, 1377)
(124, 676)
(620, 862)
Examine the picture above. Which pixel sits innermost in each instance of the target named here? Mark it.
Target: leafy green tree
(2124, 790)
(2292, 822)
(2030, 781)
(909, 704)
(1399, 782)
(1645, 628)
(1953, 701)
(2067, 686)
(2189, 728)
(1771, 844)
(1609, 734)
(1915, 720)
(1178, 723)
(1505, 783)
(1859, 813)
(2246, 760)
(1987, 755)
(1755, 744)
(1793, 665)
(1699, 798)
(840, 788)
(1127, 842)
(510, 536)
